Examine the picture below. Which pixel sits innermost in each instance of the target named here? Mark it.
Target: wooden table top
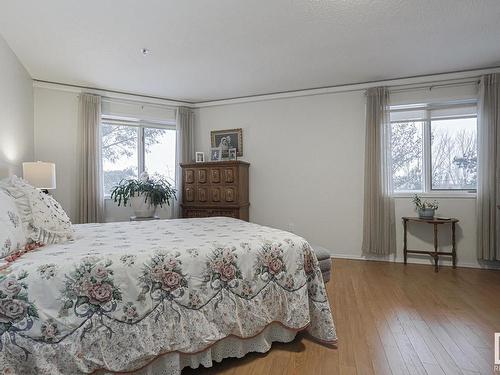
(431, 221)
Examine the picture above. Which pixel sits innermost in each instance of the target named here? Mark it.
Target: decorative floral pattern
(49, 330)
(14, 218)
(47, 271)
(202, 279)
(193, 252)
(130, 312)
(313, 272)
(90, 289)
(222, 268)
(128, 259)
(194, 300)
(270, 263)
(7, 244)
(162, 277)
(16, 310)
(12, 237)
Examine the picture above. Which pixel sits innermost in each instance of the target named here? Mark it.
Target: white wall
(307, 167)
(306, 163)
(56, 140)
(16, 113)
(56, 119)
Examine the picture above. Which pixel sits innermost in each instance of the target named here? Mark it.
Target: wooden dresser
(217, 188)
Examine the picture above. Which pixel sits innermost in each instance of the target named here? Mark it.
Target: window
(130, 147)
(454, 153)
(159, 155)
(434, 148)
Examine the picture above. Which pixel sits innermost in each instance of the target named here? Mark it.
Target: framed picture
(216, 154)
(200, 157)
(227, 139)
(233, 154)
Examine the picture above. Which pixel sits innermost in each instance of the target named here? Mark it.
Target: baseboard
(442, 262)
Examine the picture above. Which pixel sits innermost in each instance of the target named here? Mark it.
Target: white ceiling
(212, 49)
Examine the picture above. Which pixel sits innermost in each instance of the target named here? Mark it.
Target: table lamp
(41, 175)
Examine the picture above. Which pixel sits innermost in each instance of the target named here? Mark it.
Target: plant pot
(426, 213)
(141, 207)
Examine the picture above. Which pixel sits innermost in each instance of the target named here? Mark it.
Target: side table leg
(453, 245)
(405, 247)
(436, 255)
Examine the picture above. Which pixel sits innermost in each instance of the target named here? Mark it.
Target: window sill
(437, 195)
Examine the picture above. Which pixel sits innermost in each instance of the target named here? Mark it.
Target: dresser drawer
(189, 176)
(194, 212)
(215, 194)
(209, 212)
(202, 194)
(189, 194)
(230, 194)
(202, 176)
(229, 175)
(215, 177)
(226, 212)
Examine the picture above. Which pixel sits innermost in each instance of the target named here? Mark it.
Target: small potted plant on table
(145, 194)
(426, 209)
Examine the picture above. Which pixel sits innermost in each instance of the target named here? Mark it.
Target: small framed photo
(233, 154)
(200, 157)
(228, 139)
(216, 154)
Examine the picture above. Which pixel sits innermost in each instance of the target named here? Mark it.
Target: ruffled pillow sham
(12, 237)
(44, 220)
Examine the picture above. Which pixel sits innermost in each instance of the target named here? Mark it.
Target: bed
(153, 297)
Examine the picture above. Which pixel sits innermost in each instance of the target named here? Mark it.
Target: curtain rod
(109, 99)
(431, 86)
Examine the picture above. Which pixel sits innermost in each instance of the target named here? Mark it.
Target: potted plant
(426, 209)
(145, 194)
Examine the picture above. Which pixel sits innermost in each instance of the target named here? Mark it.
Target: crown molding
(111, 94)
(395, 84)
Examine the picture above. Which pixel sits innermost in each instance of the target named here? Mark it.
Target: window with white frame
(434, 147)
(130, 147)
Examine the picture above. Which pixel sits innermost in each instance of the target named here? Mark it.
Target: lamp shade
(39, 174)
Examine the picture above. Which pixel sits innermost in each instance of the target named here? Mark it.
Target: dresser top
(215, 163)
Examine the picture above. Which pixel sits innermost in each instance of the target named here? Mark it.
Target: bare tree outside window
(454, 154)
(434, 153)
(407, 156)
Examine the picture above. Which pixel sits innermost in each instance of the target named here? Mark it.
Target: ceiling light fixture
(145, 51)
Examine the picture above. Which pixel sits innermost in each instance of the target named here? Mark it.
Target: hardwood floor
(393, 319)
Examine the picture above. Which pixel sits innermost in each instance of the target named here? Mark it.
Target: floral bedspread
(120, 294)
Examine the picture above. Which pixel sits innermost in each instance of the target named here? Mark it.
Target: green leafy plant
(157, 190)
(422, 205)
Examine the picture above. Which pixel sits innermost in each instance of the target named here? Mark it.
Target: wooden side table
(435, 254)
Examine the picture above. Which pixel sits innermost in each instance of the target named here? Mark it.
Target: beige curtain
(379, 236)
(488, 187)
(91, 183)
(184, 149)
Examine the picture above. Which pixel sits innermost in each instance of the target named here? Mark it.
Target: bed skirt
(230, 347)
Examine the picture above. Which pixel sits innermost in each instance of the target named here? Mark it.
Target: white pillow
(12, 237)
(44, 220)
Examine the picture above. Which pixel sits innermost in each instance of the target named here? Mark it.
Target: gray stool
(325, 261)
